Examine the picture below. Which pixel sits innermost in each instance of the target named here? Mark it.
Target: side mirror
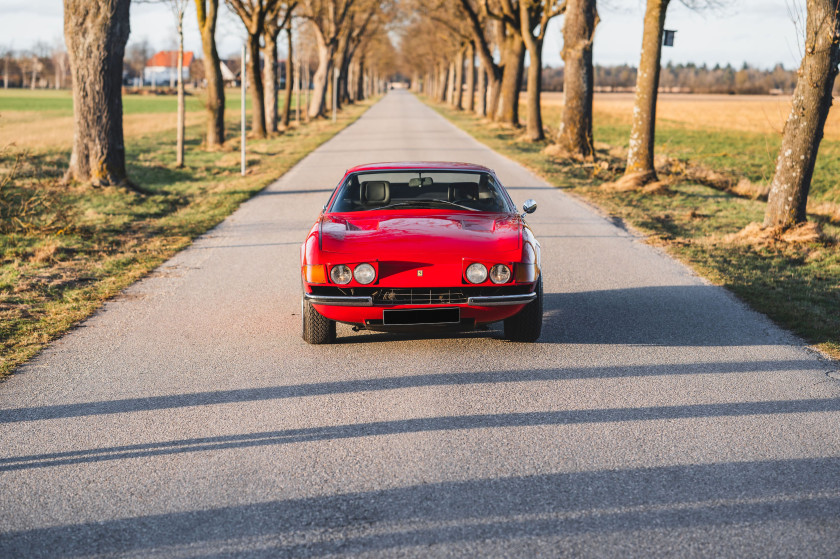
(530, 206)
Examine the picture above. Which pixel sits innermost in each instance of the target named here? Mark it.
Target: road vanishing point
(656, 416)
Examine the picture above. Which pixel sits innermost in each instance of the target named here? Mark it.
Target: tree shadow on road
(421, 425)
(723, 509)
(466, 378)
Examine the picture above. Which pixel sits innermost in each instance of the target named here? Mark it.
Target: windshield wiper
(425, 202)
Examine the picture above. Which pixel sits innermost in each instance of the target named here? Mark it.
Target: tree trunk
(470, 78)
(96, 33)
(322, 76)
(290, 73)
(514, 61)
(179, 147)
(640, 154)
(575, 135)
(360, 80)
(212, 73)
(788, 197)
(442, 82)
(338, 63)
(481, 93)
(255, 77)
(458, 93)
(450, 80)
(344, 77)
(534, 128)
(270, 84)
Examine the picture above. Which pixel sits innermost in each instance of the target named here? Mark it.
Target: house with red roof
(162, 68)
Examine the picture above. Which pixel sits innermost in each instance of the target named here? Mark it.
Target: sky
(759, 32)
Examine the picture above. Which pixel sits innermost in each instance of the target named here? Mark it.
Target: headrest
(463, 191)
(376, 192)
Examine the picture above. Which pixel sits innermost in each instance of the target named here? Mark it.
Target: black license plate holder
(412, 317)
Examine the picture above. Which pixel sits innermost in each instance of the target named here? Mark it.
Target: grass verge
(65, 250)
(796, 285)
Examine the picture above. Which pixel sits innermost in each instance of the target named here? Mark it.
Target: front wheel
(317, 329)
(526, 325)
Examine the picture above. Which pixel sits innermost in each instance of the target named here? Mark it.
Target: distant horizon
(762, 33)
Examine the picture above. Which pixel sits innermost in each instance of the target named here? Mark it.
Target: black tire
(317, 329)
(526, 325)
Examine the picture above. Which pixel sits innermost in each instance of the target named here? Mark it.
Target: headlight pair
(364, 274)
(477, 273)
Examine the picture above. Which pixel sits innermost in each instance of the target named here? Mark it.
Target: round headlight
(364, 273)
(341, 274)
(500, 274)
(476, 273)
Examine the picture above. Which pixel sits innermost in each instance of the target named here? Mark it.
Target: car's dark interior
(480, 193)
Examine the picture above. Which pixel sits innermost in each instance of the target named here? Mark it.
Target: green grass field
(750, 155)
(60, 102)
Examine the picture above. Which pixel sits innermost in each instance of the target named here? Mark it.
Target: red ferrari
(408, 246)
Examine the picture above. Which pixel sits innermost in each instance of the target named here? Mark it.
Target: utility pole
(244, 87)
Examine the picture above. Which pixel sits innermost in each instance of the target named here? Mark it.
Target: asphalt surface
(656, 415)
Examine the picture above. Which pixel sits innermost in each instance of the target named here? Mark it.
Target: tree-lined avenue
(655, 416)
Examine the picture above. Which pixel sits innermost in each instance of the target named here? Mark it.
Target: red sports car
(407, 246)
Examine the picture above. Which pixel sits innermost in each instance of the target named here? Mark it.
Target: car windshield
(472, 191)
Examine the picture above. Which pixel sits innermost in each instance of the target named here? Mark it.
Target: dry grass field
(762, 114)
(44, 131)
(738, 135)
(64, 249)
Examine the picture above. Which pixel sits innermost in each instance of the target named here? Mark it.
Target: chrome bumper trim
(339, 300)
(499, 300)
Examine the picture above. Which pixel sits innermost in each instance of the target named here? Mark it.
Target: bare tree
(788, 197)
(59, 62)
(253, 15)
(575, 136)
(481, 92)
(276, 19)
(640, 169)
(137, 54)
(327, 17)
(96, 32)
(512, 54)
(7, 56)
(179, 8)
(534, 16)
(470, 77)
(290, 74)
(207, 12)
(493, 78)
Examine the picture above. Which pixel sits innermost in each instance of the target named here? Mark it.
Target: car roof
(423, 165)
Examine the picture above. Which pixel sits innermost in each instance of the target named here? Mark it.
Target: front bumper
(339, 300)
(367, 301)
(365, 307)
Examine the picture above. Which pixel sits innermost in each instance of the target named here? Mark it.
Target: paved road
(656, 416)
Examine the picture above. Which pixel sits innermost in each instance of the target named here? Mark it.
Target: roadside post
(243, 79)
(335, 93)
(297, 77)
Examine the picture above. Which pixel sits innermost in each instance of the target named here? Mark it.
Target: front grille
(419, 296)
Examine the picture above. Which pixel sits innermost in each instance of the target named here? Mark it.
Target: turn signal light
(526, 273)
(315, 274)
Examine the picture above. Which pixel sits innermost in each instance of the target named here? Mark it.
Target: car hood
(451, 233)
